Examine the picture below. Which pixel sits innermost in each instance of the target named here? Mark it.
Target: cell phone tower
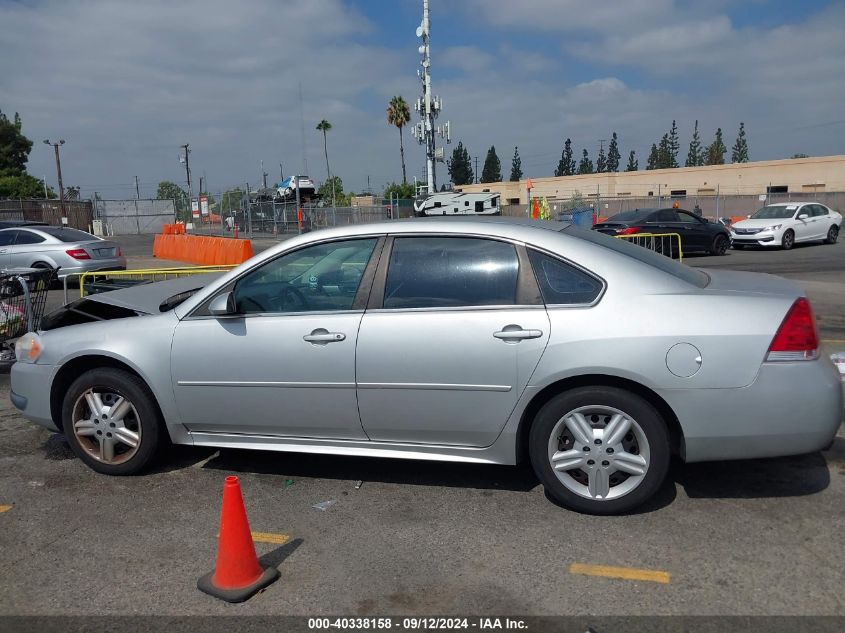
(429, 106)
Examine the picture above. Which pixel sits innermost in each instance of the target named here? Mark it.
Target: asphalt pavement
(403, 537)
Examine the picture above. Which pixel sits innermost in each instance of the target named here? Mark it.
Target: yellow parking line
(625, 573)
(268, 537)
(5, 508)
(833, 340)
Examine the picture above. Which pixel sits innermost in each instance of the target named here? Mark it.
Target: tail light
(78, 253)
(797, 338)
(628, 231)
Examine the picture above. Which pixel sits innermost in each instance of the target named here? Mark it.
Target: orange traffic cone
(237, 575)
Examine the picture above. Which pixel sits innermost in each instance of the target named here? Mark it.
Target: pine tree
(739, 154)
(653, 158)
(492, 171)
(460, 166)
(566, 165)
(516, 166)
(674, 145)
(664, 153)
(694, 155)
(633, 163)
(613, 155)
(715, 152)
(586, 165)
(601, 161)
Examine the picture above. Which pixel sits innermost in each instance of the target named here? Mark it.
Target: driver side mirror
(223, 304)
(803, 216)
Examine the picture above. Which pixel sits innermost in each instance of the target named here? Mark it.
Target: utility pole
(137, 191)
(59, 173)
(45, 187)
(188, 169)
(476, 170)
(428, 105)
(281, 172)
(263, 175)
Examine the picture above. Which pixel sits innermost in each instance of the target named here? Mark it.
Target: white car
(785, 224)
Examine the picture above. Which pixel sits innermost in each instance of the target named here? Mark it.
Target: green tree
(171, 191)
(14, 147)
(403, 190)
(23, 186)
(492, 170)
(664, 153)
(460, 166)
(653, 158)
(674, 145)
(613, 155)
(332, 189)
(695, 156)
(516, 166)
(715, 152)
(231, 201)
(739, 154)
(601, 161)
(633, 163)
(586, 165)
(399, 114)
(575, 201)
(324, 126)
(566, 165)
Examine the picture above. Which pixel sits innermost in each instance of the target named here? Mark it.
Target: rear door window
(449, 272)
(561, 283)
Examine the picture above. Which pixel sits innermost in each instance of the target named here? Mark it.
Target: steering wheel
(249, 304)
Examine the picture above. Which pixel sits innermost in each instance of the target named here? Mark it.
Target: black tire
(645, 415)
(148, 419)
(832, 235)
(737, 247)
(720, 245)
(788, 240)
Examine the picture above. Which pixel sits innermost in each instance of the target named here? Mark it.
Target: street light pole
(59, 173)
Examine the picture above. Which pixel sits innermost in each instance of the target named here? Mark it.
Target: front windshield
(773, 212)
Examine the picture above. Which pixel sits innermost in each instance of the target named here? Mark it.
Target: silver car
(472, 341)
(69, 250)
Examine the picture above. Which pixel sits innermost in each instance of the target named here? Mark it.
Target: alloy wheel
(106, 425)
(599, 452)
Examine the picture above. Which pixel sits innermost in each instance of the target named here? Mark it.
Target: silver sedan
(69, 250)
(471, 341)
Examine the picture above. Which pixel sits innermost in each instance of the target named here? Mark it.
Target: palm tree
(324, 126)
(399, 114)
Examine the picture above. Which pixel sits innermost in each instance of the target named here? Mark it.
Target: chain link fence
(134, 217)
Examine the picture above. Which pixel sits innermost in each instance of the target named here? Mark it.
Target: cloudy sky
(126, 83)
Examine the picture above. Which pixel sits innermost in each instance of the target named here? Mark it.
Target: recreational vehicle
(455, 203)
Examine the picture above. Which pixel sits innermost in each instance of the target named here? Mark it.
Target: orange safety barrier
(205, 251)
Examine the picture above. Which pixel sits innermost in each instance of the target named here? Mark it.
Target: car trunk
(100, 249)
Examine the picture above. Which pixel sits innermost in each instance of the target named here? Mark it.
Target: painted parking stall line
(621, 573)
(5, 508)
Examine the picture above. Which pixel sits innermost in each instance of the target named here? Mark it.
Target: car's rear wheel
(788, 240)
(599, 450)
(832, 235)
(720, 245)
(111, 421)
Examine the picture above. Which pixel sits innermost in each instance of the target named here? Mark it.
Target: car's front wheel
(111, 421)
(599, 450)
(720, 245)
(832, 235)
(788, 240)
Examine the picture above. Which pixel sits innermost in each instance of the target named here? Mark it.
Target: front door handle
(4, 250)
(321, 336)
(516, 333)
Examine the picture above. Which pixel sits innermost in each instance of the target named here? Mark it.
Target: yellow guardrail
(668, 244)
(143, 274)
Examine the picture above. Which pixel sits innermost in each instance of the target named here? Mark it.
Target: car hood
(759, 224)
(149, 297)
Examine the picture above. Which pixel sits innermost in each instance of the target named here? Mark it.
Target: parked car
(69, 250)
(10, 224)
(474, 341)
(697, 234)
(785, 224)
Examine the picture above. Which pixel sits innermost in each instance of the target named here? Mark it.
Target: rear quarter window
(561, 283)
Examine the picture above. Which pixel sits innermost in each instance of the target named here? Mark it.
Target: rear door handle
(517, 335)
(321, 336)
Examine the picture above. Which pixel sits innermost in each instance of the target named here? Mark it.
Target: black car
(13, 224)
(697, 234)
